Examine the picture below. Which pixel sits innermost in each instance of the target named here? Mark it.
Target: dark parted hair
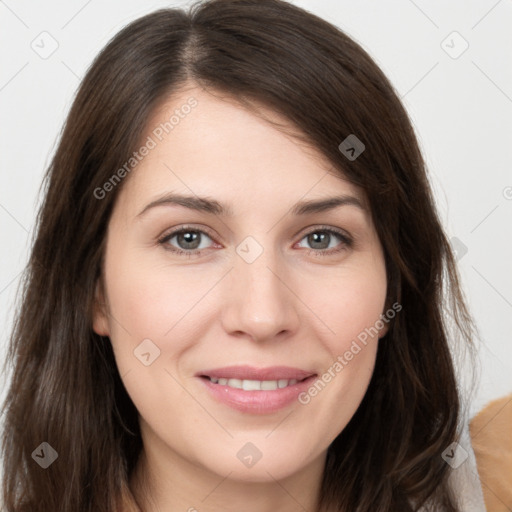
(64, 387)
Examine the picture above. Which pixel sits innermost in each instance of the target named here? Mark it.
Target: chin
(259, 462)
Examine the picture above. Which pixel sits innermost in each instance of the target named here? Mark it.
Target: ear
(384, 330)
(100, 317)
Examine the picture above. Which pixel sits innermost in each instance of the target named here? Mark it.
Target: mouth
(256, 390)
(253, 385)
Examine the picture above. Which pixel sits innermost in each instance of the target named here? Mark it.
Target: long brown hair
(65, 388)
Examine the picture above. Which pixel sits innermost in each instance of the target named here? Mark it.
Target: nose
(260, 303)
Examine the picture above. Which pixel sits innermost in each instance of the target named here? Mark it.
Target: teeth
(254, 385)
(269, 385)
(249, 385)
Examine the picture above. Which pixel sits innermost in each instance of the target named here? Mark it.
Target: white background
(461, 108)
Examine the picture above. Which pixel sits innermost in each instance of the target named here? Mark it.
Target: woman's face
(262, 290)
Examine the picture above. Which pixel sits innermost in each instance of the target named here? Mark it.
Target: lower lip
(257, 402)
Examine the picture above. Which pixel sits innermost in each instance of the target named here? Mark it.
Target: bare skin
(300, 303)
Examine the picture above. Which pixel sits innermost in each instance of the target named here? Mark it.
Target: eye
(191, 241)
(324, 241)
(186, 240)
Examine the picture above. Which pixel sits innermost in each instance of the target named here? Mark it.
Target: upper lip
(251, 373)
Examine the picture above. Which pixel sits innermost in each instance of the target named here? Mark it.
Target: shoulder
(491, 437)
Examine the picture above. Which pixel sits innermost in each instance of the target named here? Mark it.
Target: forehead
(202, 142)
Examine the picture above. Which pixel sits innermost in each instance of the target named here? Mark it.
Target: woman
(235, 296)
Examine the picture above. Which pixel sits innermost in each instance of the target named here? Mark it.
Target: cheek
(350, 306)
(151, 300)
(149, 306)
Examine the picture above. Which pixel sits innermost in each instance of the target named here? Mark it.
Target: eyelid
(346, 239)
(169, 233)
(163, 240)
(323, 227)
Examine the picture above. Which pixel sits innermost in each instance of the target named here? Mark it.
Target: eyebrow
(213, 207)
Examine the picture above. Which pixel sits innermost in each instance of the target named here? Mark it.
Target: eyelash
(346, 241)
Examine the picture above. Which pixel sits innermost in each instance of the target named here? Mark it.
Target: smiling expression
(239, 265)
